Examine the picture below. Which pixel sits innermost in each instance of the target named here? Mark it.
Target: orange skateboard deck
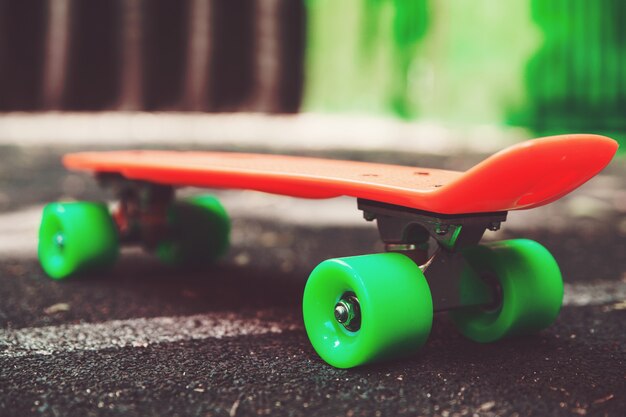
(523, 176)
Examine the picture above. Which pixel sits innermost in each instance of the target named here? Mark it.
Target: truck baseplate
(435, 242)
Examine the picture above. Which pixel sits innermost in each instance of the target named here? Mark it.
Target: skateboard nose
(564, 170)
(552, 187)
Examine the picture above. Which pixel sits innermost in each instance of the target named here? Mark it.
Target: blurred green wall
(360, 54)
(576, 80)
(549, 65)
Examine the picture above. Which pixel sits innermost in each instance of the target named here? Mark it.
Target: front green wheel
(75, 237)
(529, 287)
(367, 308)
(199, 232)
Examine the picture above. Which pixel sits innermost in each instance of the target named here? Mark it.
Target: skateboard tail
(530, 174)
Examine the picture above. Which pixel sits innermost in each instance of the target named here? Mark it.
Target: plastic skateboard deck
(523, 176)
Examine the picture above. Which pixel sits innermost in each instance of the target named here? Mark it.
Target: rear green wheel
(529, 288)
(199, 232)
(76, 237)
(367, 308)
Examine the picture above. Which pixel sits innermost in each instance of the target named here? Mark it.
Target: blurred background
(384, 72)
(430, 83)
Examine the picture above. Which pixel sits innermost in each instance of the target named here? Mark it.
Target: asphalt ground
(144, 339)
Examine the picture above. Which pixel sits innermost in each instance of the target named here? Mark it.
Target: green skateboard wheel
(529, 284)
(75, 237)
(385, 296)
(200, 231)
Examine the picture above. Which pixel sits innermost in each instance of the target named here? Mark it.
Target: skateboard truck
(141, 215)
(408, 231)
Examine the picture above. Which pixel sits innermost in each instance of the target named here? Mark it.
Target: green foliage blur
(552, 66)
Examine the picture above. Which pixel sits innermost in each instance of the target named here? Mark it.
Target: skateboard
(359, 309)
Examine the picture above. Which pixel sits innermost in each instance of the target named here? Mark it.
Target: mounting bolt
(441, 229)
(348, 312)
(369, 216)
(59, 240)
(493, 226)
(342, 312)
(400, 247)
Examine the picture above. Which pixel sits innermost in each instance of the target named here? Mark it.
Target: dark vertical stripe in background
(94, 58)
(164, 53)
(22, 25)
(232, 54)
(292, 21)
